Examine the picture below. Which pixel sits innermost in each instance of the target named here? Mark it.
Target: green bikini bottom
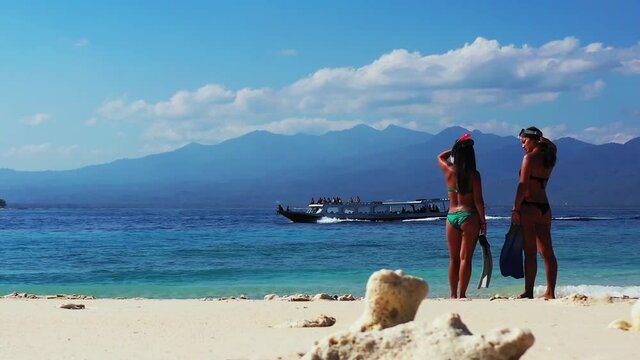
(456, 219)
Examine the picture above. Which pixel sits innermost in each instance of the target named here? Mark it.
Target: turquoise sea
(193, 253)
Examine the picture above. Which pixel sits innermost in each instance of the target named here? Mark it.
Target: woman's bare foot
(548, 296)
(525, 295)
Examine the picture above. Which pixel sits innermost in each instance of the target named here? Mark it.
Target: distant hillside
(262, 169)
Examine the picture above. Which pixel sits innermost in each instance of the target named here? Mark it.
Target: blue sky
(90, 82)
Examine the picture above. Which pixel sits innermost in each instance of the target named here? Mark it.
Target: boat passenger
(531, 209)
(466, 218)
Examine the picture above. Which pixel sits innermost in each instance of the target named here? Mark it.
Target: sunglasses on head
(529, 132)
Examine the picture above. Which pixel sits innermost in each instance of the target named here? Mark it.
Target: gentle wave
(593, 290)
(329, 220)
(425, 219)
(583, 218)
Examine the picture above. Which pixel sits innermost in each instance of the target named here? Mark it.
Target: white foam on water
(425, 219)
(488, 217)
(593, 290)
(583, 218)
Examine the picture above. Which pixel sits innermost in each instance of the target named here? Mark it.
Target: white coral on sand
(392, 298)
(446, 338)
(386, 329)
(635, 320)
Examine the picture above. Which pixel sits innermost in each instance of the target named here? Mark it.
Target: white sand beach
(247, 329)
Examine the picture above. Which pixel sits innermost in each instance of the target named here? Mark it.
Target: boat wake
(328, 220)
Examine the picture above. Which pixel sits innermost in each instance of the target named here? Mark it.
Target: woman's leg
(545, 247)
(454, 241)
(470, 231)
(528, 216)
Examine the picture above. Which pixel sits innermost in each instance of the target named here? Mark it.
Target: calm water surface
(189, 253)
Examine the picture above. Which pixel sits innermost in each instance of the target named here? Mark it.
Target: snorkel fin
(487, 262)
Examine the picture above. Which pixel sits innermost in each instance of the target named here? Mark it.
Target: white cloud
(121, 109)
(91, 122)
(288, 52)
(33, 150)
(559, 47)
(67, 150)
(36, 119)
(609, 133)
(631, 66)
(185, 103)
(423, 90)
(594, 47)
(192, 131)
(315, 126)
(413, 125)
(494, 126)
(590, 91)
(28, 150)
(82, 43)
(535, 98)
(468, 97)
(158, 148)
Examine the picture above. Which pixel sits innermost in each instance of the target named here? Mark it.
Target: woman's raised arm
(443, 160)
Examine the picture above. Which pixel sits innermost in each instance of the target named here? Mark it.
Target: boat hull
(300, 217)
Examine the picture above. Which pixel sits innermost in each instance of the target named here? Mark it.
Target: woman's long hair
(548, 156)
(464, 158)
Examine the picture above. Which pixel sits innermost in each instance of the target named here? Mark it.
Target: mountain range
(262, 169)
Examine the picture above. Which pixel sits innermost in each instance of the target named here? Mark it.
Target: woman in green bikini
(466, 218)
(531, 209)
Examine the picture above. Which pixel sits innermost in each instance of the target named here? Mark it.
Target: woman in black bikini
(531, 209)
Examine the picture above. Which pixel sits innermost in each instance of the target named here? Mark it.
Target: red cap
(464, 137)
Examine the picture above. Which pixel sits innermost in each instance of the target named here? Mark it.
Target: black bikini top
(541, 180)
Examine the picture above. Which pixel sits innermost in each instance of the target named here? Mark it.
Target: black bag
(511, 263)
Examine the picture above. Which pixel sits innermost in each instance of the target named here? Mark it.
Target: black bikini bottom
(543, 207)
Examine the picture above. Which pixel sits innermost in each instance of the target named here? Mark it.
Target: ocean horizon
(196, 253)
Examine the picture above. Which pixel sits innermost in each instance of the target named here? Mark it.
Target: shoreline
(305, 297)
(567, 328)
